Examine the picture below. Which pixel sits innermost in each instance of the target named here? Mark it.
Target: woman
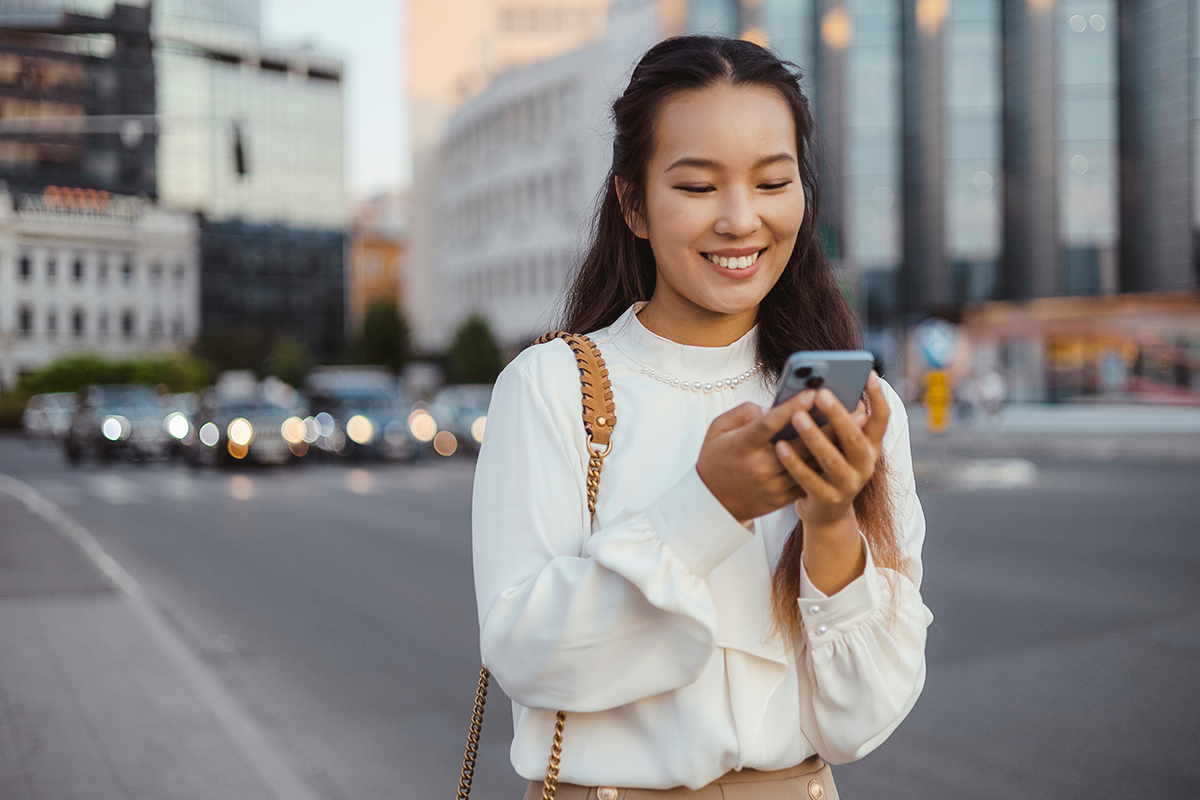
(735, 610)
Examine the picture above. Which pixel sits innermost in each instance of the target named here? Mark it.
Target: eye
(697, 189)
(773, 186)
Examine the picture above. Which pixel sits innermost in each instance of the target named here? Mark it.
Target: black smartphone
(843, 372)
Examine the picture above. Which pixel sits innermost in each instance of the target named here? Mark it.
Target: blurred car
(121, 419)
(460, 412)
(232, 427)
(360, 411)
(47, 416)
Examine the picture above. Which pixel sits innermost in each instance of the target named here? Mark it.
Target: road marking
(973, 474)
(273, 766)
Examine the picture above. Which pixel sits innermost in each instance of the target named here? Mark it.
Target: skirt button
(815, 790)
(606, 793)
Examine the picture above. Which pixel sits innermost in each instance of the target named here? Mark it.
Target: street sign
(937, 341)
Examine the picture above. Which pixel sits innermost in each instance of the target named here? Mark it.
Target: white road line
(273, 765)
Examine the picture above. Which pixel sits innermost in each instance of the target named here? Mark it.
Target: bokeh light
(210, 434)
(240, 432)
(477, 429)
(445, 444)
(360, 429)
(177, 425)
(115, 428)
(422, 425)
(292, 430)
(238, 451)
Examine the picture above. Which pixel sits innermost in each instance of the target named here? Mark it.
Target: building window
(127, 324)
(102, 324)
(127, 271)
(156, 273)
(177, 330)
(25, 267)
(51, 269)
(102, 270)
(77, 271)
(77, 326)
(156, 329)
(180, 271)
(51, 324)
(25, 320)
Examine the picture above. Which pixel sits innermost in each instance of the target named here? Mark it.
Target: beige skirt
(809, 780)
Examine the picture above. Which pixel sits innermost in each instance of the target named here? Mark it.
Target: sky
(368, 36)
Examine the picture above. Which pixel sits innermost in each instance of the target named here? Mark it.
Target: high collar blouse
(650, 624)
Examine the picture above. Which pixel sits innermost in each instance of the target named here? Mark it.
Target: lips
(735, 261)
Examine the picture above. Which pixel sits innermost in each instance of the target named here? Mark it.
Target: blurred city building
(77, 99)
(378, 250)
(455, 49)
(252, 141)
(975, 152)
(86, 270)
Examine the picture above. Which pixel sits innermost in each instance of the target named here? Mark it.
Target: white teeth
(734, 263)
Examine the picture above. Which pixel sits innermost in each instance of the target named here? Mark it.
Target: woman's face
(724, 200)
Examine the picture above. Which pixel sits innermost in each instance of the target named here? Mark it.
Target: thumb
(733, 419)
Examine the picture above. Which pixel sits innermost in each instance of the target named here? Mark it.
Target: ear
(632, 218)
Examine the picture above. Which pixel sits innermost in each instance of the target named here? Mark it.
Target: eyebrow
(705, 163)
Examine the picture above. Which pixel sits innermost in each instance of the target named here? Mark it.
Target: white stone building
(82, 271)
(521, 166)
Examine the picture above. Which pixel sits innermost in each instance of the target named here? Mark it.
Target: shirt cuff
(826, 618)
(695, 526)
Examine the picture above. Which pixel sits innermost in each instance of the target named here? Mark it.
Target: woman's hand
(832, 545)
(739, 465)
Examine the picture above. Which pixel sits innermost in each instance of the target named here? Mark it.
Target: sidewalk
(99, 698)
(1066, 431)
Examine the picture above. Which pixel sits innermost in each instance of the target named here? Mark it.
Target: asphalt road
(336, 603)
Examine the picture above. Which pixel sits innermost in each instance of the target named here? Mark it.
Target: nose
(738, 216)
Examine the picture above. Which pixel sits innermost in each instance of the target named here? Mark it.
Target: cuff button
(606, 793)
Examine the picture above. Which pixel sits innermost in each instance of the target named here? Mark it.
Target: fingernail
(801, 421)
(825, 398)
(781, 449)
(806, 398)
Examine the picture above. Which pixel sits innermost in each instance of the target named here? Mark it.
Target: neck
(692, 325)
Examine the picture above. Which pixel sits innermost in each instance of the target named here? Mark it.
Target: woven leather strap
(599, 419)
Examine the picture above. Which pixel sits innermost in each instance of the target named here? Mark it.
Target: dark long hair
(805, 310)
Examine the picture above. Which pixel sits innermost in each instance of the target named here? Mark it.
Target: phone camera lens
(815, 383)
(803, 372)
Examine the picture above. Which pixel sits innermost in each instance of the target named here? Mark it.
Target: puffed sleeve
(864, 648)
(573, 618)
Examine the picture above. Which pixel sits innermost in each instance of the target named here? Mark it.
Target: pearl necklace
(698, 386)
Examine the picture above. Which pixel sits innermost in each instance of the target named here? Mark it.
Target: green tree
(474, 356)
(386, 338)
(289, 360)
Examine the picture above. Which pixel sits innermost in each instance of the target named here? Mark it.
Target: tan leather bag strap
(599, 419)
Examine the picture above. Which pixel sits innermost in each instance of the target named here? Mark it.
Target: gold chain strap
(468, 768)
(599, 420)
(550, 787)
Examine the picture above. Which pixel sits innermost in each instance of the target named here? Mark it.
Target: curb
(272, 764)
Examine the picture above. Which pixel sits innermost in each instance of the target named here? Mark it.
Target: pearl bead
(719, 385)
(675, 381)
(708, 387)
(687, 384)
(645, 370)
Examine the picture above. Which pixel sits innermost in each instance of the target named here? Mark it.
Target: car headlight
(209, 434)
(360, 429)
(115, 428)
(177, 425)
(240, 431)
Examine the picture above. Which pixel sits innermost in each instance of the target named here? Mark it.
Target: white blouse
(651, 626)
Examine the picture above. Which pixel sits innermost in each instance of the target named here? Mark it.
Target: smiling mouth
(742, 262)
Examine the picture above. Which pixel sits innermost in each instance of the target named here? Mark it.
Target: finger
(837, 469)
(810, 483)
(880, 411)
(734, 418)
(854, 444)
(772, 422)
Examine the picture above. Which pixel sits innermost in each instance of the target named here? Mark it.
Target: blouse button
(606, 793)
(814, 609)
(821, 630)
